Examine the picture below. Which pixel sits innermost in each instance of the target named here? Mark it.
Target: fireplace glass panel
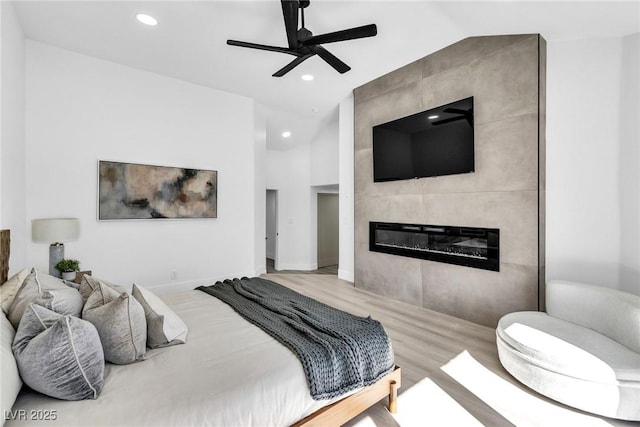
(472, 247)
(463, 246)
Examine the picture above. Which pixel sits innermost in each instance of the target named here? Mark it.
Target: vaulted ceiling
(189, 42)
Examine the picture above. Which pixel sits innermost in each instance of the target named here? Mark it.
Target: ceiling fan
(303, 44)
(459, 115)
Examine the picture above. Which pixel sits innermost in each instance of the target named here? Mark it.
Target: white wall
(288, 171)
(593, 188)
(346, 264)
(299, 174)
(12, 135)
(629, 175)
(324, 154)
(80, 110)
(260, 190)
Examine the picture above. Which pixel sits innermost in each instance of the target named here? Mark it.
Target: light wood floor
(424, 341)
(330, 269)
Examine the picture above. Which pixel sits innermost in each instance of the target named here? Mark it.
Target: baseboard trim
(173, 287)
(346, 275)
(301, 267)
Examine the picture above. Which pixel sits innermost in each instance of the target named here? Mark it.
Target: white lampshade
(50, 230)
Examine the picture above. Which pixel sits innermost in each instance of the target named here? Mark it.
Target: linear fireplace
(470, 247)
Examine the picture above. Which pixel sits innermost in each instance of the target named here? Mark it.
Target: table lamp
(55, 231)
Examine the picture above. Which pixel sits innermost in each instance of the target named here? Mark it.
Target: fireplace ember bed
(466, 246)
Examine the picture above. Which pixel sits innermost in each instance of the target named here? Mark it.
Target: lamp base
(56, 254)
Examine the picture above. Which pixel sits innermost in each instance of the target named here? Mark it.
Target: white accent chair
(583, 352)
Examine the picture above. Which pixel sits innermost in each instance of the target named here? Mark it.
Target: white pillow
(120, 322)
(164, 327)
(11, 381)
(10, 287)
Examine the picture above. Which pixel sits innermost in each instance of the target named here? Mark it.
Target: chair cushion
(611, 312)
(567, 348)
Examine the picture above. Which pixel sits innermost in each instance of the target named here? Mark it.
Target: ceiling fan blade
(290, 13)
(455, 111)
(445, 121)
(291, 65)
(261, 47)
(338, 36)
(331, 59)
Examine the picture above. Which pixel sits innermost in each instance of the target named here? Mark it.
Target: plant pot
(69, 275)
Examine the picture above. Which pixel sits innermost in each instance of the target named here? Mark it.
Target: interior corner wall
(593, 162)
(12, 135)
(299, 173)
(288, 172)
(80, 110)
(260, 190)
(502, 73)
(346, 263)
(324, 155)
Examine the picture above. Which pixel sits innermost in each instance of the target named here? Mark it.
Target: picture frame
(139, 191)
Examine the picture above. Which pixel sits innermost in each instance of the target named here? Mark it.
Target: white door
(272, 224)
(327, 229)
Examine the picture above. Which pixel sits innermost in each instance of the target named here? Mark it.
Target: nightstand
(80, 274)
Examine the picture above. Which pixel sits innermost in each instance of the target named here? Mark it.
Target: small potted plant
(68, 268)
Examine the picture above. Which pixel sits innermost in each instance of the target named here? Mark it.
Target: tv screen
(434, 142)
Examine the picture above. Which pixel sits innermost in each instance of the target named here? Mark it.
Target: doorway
(328, 240)
(271, 238)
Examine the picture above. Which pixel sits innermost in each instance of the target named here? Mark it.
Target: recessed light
(433, 117)
(146, 19)
(286, 134)
(315, 110)
(307, 77)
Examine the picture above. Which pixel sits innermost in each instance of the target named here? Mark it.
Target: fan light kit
(146, 19)
(303, 44)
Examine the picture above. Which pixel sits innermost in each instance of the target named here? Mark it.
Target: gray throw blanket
(338, 351)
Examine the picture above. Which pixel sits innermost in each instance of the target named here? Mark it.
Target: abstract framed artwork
(135, 191)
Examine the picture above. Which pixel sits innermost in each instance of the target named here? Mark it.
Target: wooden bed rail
(343, 410)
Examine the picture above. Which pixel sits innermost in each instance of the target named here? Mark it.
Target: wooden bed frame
(335, 414)
(344, 410)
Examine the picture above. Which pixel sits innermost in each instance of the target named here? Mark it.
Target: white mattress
(229, 373)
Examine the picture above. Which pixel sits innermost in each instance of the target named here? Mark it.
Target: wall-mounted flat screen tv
(434, 142)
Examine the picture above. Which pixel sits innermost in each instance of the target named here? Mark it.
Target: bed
(229, 373)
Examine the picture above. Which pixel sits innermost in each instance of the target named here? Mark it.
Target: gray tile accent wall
(506, 77)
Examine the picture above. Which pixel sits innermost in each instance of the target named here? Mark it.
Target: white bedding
(229, 373)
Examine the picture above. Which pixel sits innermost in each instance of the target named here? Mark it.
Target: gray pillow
(120, 322)
(164, 327)
(46, 290)
(60, 356)
(88, 284)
